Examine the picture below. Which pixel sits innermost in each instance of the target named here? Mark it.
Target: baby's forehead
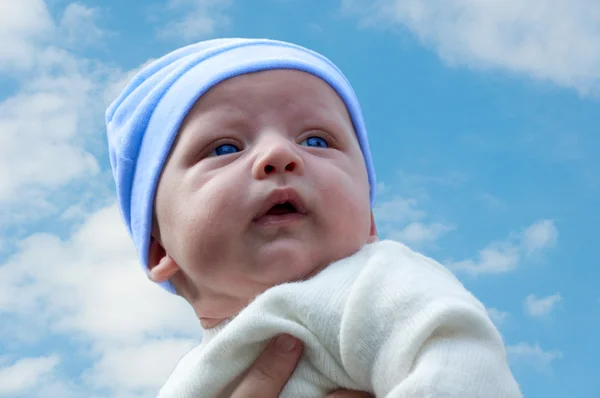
(287, 93)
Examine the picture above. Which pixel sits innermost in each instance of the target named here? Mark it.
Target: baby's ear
(160, 264)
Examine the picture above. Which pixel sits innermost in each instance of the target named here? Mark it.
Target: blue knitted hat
(142, 123)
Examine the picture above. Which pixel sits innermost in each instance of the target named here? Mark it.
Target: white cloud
(198, 19)
(141, 368)
(49, 123)
(504, 256)
(91, 283)
(418, 233)
(398, 209)
(40, 127)
(401, 218)
(498, 317)
(537, 307)
(494, 259)
(24, 25)
(26, 374)
(27, 31)
(540, 236)
(90, 287)
(554, 40)
(78, 26)
(533, 355)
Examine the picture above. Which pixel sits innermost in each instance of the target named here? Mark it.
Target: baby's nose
(277, 158)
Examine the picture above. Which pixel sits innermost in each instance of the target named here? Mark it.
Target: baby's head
(240, 165)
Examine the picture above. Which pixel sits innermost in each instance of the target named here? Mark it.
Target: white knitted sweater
(386, 320)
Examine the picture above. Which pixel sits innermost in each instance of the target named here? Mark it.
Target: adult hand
(269, 373)
(271, 370)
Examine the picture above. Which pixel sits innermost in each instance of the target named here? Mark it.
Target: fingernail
(285, 343)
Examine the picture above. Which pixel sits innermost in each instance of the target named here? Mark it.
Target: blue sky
(483, 121)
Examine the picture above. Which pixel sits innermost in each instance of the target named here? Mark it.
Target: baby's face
(266, 184)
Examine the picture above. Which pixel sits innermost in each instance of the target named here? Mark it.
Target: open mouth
(282, 205)
(281, 209)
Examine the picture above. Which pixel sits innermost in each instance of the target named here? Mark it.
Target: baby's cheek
(349, 212)
(208, 230)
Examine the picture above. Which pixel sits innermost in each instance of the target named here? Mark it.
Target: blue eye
(315, 142)
(225, 149)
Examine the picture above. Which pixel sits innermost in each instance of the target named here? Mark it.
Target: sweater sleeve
(411, 330)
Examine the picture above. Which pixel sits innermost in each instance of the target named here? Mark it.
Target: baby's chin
(287, 263)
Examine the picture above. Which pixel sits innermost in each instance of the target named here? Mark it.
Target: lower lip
(279, 220)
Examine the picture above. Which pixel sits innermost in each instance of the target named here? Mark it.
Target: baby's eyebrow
(213, 122)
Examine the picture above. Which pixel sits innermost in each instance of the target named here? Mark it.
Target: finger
(269, 373)
(349, 394)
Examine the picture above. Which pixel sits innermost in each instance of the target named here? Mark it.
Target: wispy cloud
(26, 375)
(48, 123)
(78, 26)
(41, 126)
(539, 236)
(86, 288)
(28, 32)
(548, 40)
(197, 19)
(537, 307)
(401, 219)
(498, 317)
(534, 356)
(496, 258)
(504, 256)
(418, 233)
(137, 367)
(492, 202)
(24, 26)
(398, 209)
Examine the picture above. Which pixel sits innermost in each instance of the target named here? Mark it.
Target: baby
(244, 175)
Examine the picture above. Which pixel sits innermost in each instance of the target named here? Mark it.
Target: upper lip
(281, 196)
